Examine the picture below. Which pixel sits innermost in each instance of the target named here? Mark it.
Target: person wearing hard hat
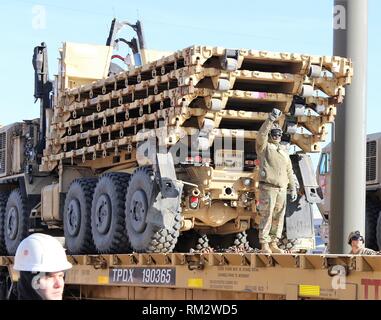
(276, 174)
(41, 260)
(356, 241)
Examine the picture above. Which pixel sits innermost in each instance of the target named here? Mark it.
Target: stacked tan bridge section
(208, 91)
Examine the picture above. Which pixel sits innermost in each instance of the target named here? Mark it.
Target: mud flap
(299, 215)
(299, 219)
(164, 211)
(303, 169)
(168, 200)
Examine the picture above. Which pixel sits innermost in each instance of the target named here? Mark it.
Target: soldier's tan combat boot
(265, 248)
(274, 248)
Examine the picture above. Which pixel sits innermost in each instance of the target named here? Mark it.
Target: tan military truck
(373, 188)
(158, 150)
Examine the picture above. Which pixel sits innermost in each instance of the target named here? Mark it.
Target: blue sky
(303, 26)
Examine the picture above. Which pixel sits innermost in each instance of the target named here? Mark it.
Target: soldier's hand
(294, 195)
(275, 114)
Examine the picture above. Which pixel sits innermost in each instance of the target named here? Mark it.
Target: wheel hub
(12, 224)
(138, 211)
(73, 217)
(103, 214)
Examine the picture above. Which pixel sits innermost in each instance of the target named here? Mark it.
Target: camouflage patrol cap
(355, 235)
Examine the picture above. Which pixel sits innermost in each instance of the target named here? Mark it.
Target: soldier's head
(276, 133)
(356, 240)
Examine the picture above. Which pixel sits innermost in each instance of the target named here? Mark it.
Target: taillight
(198, 159)
(193, 202)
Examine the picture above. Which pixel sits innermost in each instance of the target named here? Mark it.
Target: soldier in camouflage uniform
(356, 241)
(275, 175)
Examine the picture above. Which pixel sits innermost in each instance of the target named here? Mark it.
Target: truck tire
(379, 233)
(145, 236)
(16, 224)
(107, 214)
(77, 216)
(241, 239)
(373, 208)
(192, 240)
(223, 242)
(285, 243)
(246, 240)
(3, 205)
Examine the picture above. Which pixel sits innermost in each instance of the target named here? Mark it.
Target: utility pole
(349, 139)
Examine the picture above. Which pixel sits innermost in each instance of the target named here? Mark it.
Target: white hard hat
(41, 253)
